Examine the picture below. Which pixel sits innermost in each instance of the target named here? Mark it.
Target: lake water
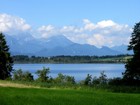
(79, 71)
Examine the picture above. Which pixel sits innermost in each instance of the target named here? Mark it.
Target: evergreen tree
(133, 65)
(6, 61)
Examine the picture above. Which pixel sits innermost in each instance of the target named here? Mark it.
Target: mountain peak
(57, 41)
(53, 46)
(60, 38)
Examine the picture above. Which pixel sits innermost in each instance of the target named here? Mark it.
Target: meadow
(20, 94)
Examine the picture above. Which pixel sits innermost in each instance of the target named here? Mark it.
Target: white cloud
(12, 25)
(47, 31)
(97, 40)
(46, 28)
(108, 33)
(67, 28)
(106, 23)
(103, 33)
(88, 25)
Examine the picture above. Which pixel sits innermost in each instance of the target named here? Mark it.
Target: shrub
(42, 74)
(88, 80)
(64, 79)
(19, 75)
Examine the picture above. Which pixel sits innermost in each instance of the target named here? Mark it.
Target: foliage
(88, 79)
(27, 76)
(116, 81)
(71, 59)
(132, 72)
(64, 79)
(6, 61)
(42, 74)
(103, 78)
(70, 79)
(95, 81)
(19, 75)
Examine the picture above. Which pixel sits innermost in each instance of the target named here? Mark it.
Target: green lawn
(41, 96)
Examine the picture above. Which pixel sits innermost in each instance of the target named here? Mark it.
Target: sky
(95, 22)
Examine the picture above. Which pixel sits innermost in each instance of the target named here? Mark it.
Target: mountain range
(26, 44)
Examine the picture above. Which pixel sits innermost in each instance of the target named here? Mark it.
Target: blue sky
(50, 15)
(66, 12)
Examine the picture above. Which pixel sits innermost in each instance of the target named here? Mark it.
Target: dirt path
(10, 84)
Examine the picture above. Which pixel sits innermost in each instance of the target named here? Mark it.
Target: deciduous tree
(42, 74)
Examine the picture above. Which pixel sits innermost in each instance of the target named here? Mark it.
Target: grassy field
(17, 94)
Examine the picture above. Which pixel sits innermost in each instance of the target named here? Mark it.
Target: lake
(79, 71)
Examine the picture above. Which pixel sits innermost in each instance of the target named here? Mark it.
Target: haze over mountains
(26, 44)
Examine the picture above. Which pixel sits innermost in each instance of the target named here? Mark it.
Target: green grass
(41, 96)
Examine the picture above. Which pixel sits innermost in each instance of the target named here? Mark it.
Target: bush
(95, 81)
(42, 74)
(64, 79)
(27, 76)
(88, 80)
(115, 81)
(103, 78)
(19, 75)
(123, 82)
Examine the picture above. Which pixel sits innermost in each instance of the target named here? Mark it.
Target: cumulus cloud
(46, 28)
(88, 25)
(13, 25)
(96, 39)
(103, 33)
(106, 23)
(46, 31)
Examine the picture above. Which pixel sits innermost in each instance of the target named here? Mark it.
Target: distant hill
(26, 44)
(78, 49)
(122, 49)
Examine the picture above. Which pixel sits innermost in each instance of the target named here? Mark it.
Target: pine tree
(6, 61)
(133, 65)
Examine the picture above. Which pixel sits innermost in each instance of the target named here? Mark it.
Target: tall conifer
(6, 61)
(133, 65)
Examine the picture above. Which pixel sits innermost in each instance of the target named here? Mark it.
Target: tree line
(43, 76)
(71, 59)
(61, 79)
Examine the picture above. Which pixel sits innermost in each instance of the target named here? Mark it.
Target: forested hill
(71, 59)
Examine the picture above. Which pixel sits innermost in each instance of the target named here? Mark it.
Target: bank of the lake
(79, 71)
(63, 59)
